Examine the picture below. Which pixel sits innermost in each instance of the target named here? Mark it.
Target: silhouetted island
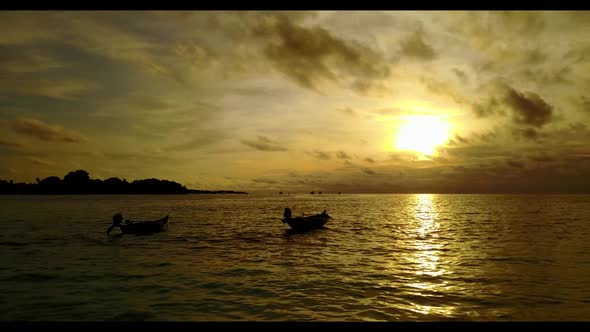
(79, 183)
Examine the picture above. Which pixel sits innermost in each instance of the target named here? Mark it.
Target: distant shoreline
(217, 192)
(79, 183)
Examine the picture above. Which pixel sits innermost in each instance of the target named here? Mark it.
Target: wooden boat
(139, 227)
(305, 223)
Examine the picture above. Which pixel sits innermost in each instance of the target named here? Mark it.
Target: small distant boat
(139, 227)
(306, 223)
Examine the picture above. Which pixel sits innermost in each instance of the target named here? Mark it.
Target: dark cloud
(343, 155)
(528, 108)
(515, 164)
(461, 139)
(489, 136)
(10, 144)
(263, 144)
(529, 112)
(461, 75)
(543, 158)
(44, 131)
(528, 133)
(322, 155)
(370, 160)
(368, 171)
(534, 56)
(584, 103)
(458, 140)
(415, 46)
(310, 55)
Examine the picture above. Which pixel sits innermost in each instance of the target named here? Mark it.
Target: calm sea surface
(228, 257)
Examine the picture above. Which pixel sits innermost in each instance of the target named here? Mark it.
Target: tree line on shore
(79, 183)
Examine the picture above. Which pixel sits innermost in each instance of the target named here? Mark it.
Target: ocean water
(229, 258)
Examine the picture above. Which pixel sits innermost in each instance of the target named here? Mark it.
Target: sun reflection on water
(426, 247)
(426, 258)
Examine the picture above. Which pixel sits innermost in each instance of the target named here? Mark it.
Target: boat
(306, 223)
(138, 227)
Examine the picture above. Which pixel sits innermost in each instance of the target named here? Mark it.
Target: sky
(351, 101)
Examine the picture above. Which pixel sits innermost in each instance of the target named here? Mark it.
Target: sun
(422, 134)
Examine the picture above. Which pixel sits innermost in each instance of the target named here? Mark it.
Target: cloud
(10, 144)
(204, 137)
(312, 55)
(578, 53)
(461, 75)
(515, 164)
(43, 131)
(370, 160)
(62, 89)
(25, 61)
(548, 76)
(263, 144)
(414, 46)
(458, 140)
(584, 103)
(343, 155)
(486, 108)
(525, 22)
(528, 133)
(322, 155)
(368, 171)
(542, 158)
(475, 26)
(528, 108)
(461, 139)
(443, 89)
(140, 157)
(347, 110)
(193, 52)
(264, 180)
(39, 161)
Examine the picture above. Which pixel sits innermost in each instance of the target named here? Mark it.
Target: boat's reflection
(290, 232)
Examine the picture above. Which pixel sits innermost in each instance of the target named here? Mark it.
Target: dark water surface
(228, 257)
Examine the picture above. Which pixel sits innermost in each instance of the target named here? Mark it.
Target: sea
(383, 257)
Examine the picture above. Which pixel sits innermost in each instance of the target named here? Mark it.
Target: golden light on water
(426, 254)
(422, 134)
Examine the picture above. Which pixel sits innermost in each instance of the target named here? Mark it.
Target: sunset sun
(422, 134)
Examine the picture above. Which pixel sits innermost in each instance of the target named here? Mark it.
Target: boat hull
(145, 227)
(307, 223)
